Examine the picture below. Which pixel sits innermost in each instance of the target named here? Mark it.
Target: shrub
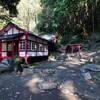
(16, 63)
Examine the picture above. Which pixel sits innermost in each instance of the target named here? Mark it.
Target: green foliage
(8, 9)
(61, 16)
(16, 60)
(16, 63)
(65, 16)
(10, 5)
(72, 37)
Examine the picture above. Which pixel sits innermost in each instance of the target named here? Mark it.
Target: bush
(16, 63)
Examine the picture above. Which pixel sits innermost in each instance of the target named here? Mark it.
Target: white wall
(45, 53)
(22, 54)
(10, 32)
(31, 54)
(4, 54)
(39, 53)
(15, 31)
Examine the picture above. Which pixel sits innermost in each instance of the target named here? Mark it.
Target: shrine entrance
(75, 46)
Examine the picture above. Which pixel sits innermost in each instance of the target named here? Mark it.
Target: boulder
(97, 60)
(5, 62)
(92, 67)
(3, 67)
(46, 85)
(87, 76)
(48, 71)
(28, 70)
(67, 87)
(36, 70)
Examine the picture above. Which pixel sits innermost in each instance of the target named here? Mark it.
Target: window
(3, 46)
(22, 45)
(31, 46)
(40, 47)
(9, 46)
(45, 48)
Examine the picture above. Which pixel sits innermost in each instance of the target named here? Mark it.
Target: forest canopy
(63, 17)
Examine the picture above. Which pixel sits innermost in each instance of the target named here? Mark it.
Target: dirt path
(70, 83)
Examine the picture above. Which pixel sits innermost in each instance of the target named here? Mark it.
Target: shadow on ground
(71, 84)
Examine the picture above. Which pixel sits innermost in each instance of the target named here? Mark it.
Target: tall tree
(27, 13)
(66, 16)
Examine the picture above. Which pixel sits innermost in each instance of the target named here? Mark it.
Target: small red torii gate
(73, 46)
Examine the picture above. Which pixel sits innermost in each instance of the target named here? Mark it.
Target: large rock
(3, 67)
(46, 85)
(87, 76)
(28, 70)
(92, 67)
(37, 70)
(67, 87)
(97, 60)
(48, 71)
(6, 62)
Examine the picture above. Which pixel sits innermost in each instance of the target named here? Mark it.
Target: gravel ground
(70, 83)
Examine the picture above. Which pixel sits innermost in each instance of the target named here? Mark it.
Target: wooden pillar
(48, 48)
(79, 49)
(0, 50)
(26, 48)
(36, 47)
(72, 47)
(18, 46)
(6, 48)
(26, 62)
(13, 47)
(43, 47)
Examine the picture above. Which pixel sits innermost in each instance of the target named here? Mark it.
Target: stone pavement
(50, 80)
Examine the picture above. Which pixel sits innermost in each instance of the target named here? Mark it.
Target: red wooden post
(36, 46)
(26, 46)
(19, 44)
(12, 43)
(13, 47)
(79, 46)
(0, 50)
(72, 47)
(43, 47)
(6, 49)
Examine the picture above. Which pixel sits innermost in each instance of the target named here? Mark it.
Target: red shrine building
(15, 41)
